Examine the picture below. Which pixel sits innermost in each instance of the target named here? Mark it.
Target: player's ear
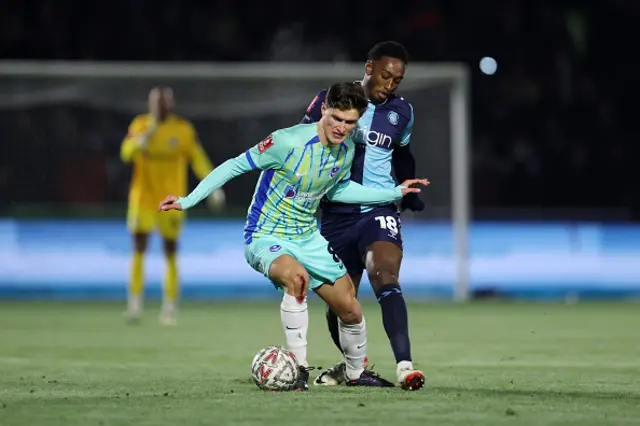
(323, 109)
(368, 68)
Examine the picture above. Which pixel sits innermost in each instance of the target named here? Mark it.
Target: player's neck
(324, 141)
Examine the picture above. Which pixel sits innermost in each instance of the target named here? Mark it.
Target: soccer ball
(274, 368)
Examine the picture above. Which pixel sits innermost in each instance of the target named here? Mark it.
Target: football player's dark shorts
(349, 235)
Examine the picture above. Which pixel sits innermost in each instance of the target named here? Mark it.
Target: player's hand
(217, 200)
(408, 186)
(169, 203)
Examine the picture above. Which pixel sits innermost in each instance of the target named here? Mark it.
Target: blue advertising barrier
(90, 260)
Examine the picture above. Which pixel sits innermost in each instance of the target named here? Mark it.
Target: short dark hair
(392, 49)
(345, 96)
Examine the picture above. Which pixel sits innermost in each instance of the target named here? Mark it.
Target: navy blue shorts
(349, 235)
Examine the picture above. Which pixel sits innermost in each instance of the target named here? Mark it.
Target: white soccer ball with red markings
(274, 368)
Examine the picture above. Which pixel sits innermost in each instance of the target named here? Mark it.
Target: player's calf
(294, 314)
(383, 264)
(340, 296)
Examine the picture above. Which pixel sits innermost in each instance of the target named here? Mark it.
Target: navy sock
(332, 323)
(395, 320)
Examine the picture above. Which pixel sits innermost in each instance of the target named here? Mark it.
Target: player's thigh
(276, 260)
(340, 296)
(140, 220)
(321, 261)
(170, 224)
(380, 244)
(341, 233)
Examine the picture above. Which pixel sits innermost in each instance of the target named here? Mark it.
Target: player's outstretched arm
(263, 156)
(213, 181)
(353, 193)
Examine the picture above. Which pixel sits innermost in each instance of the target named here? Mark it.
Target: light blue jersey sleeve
(406, 135)
(270, 154)
(263, 156)
(350, 192)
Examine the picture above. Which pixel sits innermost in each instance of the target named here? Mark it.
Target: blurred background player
(160, 145)
(367, 237)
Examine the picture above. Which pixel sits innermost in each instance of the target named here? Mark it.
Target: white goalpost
(236, 103)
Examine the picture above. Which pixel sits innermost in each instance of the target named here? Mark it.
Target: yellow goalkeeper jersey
(161, 168)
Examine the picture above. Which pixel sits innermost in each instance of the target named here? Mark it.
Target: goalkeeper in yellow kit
(160, 145)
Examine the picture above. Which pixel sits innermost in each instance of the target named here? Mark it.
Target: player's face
(338, 124)
(160, 102)
(382, 77)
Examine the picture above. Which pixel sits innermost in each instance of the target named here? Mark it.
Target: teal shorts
(313, 253)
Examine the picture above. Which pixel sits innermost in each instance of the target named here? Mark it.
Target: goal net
(56, 108)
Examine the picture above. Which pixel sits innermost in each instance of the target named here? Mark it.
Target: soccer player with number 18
(369, 237)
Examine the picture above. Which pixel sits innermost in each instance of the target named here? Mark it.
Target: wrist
(183, 202)
(398, 191)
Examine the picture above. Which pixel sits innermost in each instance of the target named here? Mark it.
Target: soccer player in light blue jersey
(300, 165)
(369, 237)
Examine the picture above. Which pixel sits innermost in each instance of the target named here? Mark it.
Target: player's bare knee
(382, 262)
(294, 278)
(382, 272)
(350, 312)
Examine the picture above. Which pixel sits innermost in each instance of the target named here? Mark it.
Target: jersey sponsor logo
(372, 137)
(393, 117)
(265, 144)
(173, 142)
(334, 171)
(292, 192)
(275, 248)
(313, 195)
(313, 102)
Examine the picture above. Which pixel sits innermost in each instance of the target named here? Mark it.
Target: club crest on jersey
(290, 192)
(334, 171)
(393, 117)
(265, 144)
(173, 142)
(274, 248)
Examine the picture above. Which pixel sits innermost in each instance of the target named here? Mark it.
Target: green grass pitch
(486, 364)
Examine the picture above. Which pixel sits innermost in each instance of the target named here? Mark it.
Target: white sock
(169, 306)
(295, 321)
(353, 339)
(405, 365)
(134, 304)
